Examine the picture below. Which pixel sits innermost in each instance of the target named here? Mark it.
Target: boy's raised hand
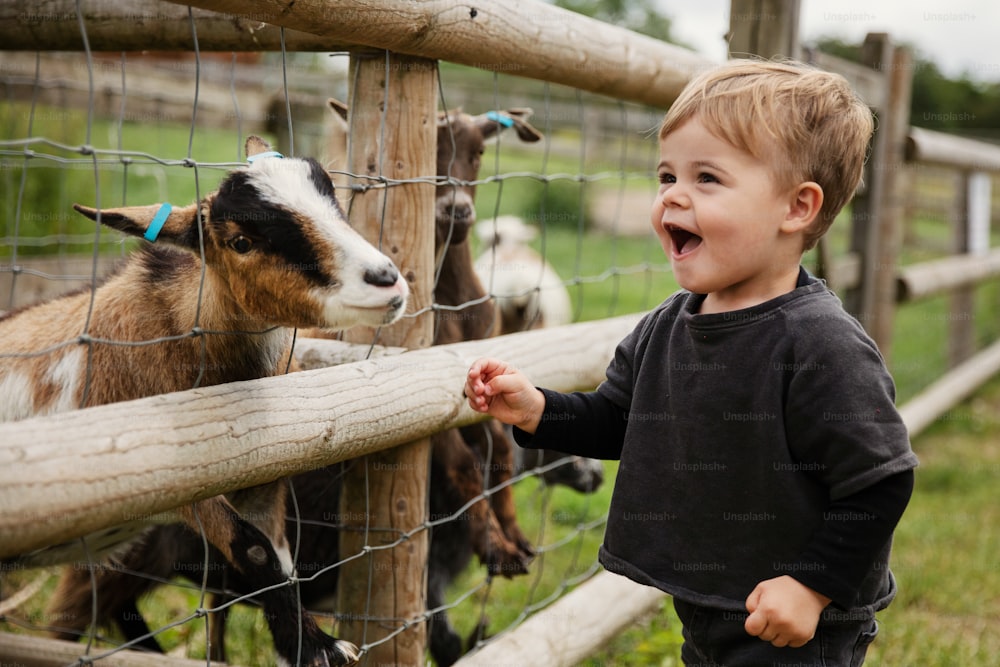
(784, 612)
(503, 392)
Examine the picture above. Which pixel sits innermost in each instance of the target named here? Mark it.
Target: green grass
(947, 546)
(58, 175)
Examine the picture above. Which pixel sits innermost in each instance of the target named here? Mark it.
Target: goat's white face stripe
(287, 183)
(280, 182)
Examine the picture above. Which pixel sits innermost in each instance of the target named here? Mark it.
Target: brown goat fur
(466, 313)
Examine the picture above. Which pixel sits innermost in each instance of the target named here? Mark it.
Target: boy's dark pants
(716, 638)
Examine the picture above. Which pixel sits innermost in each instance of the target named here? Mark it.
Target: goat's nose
(460, 212)
(382, 277)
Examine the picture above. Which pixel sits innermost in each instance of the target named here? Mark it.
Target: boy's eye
(667, 178)
(707, 178)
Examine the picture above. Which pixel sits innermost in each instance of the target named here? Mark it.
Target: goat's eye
(241, 244)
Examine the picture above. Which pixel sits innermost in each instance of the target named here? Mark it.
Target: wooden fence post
(765, 28)
(971, 229)
(876, 225)
(393, 136)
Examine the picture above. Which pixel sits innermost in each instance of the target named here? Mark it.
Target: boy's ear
(179, 229)
(806, 202)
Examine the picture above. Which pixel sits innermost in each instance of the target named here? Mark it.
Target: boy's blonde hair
(806, 123)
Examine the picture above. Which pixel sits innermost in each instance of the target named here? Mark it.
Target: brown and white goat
(211, 301)
(488, 528)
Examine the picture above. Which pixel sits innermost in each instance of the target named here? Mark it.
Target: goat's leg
(72, 604)
(444, 643)
(253, 555)
(133, 626)
(217, 629)
(455, 467)
(497, 453)
(117, 589)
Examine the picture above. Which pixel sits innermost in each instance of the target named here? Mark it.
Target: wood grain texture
(526, 38)
(605, 605)
(392, 137)
(69, 474)
(27, 651)
(138, 25)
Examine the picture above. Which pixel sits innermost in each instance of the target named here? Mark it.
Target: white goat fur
(528, 290)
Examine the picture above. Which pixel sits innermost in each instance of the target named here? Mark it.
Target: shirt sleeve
(840, 413)
(584, 424)
(855, 529)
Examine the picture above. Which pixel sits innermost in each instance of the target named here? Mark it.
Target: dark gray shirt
(743, 430)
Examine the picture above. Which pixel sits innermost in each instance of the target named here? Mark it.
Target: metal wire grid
(100, 160)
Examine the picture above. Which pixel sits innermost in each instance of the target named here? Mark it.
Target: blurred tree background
(959, 106)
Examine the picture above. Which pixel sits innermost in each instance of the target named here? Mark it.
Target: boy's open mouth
(683, 240)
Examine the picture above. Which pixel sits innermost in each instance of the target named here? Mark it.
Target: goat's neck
(234, 345)
(458, 284)
(238, 332)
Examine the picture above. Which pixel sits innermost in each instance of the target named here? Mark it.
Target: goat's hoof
(521, 543)
(335, 653)
(527, 551)
(478, 634)
(342, 653)
(351, 653)
(509, 564)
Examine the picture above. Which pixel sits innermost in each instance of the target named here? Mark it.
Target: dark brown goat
(176, 551)
(466, 313)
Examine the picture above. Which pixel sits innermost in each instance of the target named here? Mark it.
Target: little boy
(763, 463)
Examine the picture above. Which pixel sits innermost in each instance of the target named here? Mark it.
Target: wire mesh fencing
(115, 130)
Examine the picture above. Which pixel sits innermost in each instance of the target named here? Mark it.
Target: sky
(961, 36)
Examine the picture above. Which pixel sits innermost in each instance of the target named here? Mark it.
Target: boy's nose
(676, 195)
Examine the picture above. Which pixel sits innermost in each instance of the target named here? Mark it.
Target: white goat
(529, 292)
(278, 253)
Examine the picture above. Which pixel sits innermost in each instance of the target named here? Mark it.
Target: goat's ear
(525, 130)
(179, 229)
(255, 146)
(517, 118)
(445, 118)
(338, 108)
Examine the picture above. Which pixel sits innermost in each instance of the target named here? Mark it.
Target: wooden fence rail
(973, 260)
(69, 474)
(527, 38)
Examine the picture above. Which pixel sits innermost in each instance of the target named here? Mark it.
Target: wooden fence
(545, 43)
(65, 475)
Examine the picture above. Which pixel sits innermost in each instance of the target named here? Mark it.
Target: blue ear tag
(157, 224)
(253, 158)
(504, 120)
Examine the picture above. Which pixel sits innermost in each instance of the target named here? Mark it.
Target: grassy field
(946, 546)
